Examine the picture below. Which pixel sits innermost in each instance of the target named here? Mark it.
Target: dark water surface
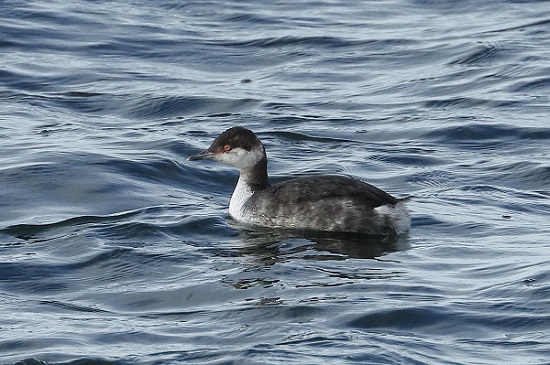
(115, 250)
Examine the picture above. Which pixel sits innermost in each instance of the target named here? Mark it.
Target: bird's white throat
(243, 191)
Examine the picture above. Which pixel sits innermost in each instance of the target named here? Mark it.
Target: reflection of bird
(316, 203)
(271, 245)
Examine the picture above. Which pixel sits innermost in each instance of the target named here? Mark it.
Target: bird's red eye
(226, 148)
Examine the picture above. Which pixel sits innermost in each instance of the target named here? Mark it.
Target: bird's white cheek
(239, 158)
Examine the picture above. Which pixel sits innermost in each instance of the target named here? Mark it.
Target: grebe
(317, 203)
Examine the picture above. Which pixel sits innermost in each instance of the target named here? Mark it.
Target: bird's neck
(250, 181)
(256, 176)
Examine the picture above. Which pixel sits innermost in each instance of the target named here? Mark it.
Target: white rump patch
(397, 216)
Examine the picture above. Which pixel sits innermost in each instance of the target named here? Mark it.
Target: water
(115, 250)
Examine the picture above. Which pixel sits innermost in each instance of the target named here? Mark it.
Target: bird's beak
(204, 155)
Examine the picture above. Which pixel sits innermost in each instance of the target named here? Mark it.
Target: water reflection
(275, 258)
(318, 245)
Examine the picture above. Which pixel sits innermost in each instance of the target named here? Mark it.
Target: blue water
(116, 250)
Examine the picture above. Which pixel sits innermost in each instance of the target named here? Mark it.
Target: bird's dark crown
(235, 137)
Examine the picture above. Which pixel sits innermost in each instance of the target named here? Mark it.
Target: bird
(323, 203)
